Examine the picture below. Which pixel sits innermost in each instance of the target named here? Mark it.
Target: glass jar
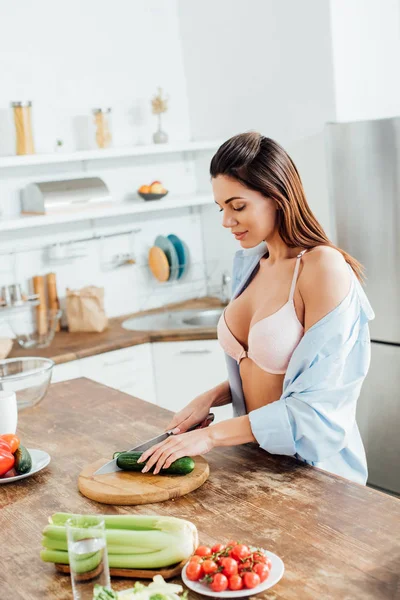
(23, 127)
(102, 121)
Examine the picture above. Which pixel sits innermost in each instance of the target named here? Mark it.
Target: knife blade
(111, 466)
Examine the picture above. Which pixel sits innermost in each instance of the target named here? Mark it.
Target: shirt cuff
(271, 427)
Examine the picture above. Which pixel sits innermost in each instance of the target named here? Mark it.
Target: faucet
(225, 291)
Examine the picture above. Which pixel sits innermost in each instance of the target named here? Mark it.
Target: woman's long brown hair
(261, 164)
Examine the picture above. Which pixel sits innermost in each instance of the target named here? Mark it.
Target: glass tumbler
(87, 552)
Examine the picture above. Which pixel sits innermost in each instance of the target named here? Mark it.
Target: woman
(296, 331)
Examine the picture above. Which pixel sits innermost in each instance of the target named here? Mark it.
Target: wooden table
(337, 539)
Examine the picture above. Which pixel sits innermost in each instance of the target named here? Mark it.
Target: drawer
(183, 370)
(118, 362)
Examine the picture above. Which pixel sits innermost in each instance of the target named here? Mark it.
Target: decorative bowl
(151, 196)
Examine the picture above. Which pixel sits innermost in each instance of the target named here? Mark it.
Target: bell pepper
(7, 461)
(12, 440)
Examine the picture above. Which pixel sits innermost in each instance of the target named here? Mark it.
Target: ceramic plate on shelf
(158, 263)
(40, 460)
(169, 250)
(276, 573)
(181, 251)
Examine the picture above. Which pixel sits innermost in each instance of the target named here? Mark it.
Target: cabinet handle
(199, 351)
(113, 363)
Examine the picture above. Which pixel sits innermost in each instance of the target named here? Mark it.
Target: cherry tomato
(229, 566)
(235, 582)
(194, 571)
(231, 543)
(262, 571)
(196, 559)
(203, 551)
(240, 551)
(210, 567)
(12, 440)
(219, 583)
(245, 566)
(218, 548)
(258, 557)
(7, 461)
(251, 580)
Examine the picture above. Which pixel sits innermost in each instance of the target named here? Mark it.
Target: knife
(111, 466)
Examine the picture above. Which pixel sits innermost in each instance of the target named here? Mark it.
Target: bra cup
(273, 340)
(228, 341)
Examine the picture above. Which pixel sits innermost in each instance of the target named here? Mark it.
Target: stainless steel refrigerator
(364, 179)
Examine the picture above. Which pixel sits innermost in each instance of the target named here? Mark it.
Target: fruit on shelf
(157, 188)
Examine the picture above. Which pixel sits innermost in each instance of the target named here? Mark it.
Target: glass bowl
(28, 377)
(25, 327)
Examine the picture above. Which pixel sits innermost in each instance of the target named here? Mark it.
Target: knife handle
(207, 421)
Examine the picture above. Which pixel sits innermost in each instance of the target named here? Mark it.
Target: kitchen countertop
(71, 346)
(338, 540)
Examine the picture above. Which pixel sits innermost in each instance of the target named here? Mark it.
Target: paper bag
(85, 309)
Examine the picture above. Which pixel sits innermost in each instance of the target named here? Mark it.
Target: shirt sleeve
(316, 413)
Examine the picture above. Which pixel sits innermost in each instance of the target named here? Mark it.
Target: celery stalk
(146, 540)
(61, 544)
(81, 566)
(133, 541)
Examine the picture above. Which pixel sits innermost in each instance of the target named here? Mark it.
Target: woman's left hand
(176, 446)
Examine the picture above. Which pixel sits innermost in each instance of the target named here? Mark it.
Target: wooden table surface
(338, 540)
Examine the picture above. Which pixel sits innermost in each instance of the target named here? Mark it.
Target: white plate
(275, 574)
(40, 460)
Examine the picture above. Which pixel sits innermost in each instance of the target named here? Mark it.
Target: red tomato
(219, 583)
(217, 548)
(194, 571)
(229, 566)
(245, 566)
(209, 567)
(231, 543)
(12, 440)
(7, 461)
(259, 557)
(240, 551)
(196, 559)
(203, 551)
(251, 580)
(262, 571)
(235, 582)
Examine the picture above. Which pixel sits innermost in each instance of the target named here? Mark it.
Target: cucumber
(128, 461)
(23, 460)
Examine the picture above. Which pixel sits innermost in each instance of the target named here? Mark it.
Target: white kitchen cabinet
(65, 371)
(129, 370)
(183, 370)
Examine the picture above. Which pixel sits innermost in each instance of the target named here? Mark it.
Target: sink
(194, 318)
(204, 318)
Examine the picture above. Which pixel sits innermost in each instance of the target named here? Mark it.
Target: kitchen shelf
(110, 153)
(115, 210)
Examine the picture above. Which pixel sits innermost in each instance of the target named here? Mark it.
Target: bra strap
(295, 274)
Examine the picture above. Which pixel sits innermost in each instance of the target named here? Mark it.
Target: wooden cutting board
(128, 488)
(166, 572)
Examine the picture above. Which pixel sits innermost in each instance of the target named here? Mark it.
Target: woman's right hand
(195, 412)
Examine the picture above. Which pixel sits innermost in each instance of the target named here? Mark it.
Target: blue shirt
(314, 420)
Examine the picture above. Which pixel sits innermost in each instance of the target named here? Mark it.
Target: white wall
(261, 65)
(68, 57)
(366, 57)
